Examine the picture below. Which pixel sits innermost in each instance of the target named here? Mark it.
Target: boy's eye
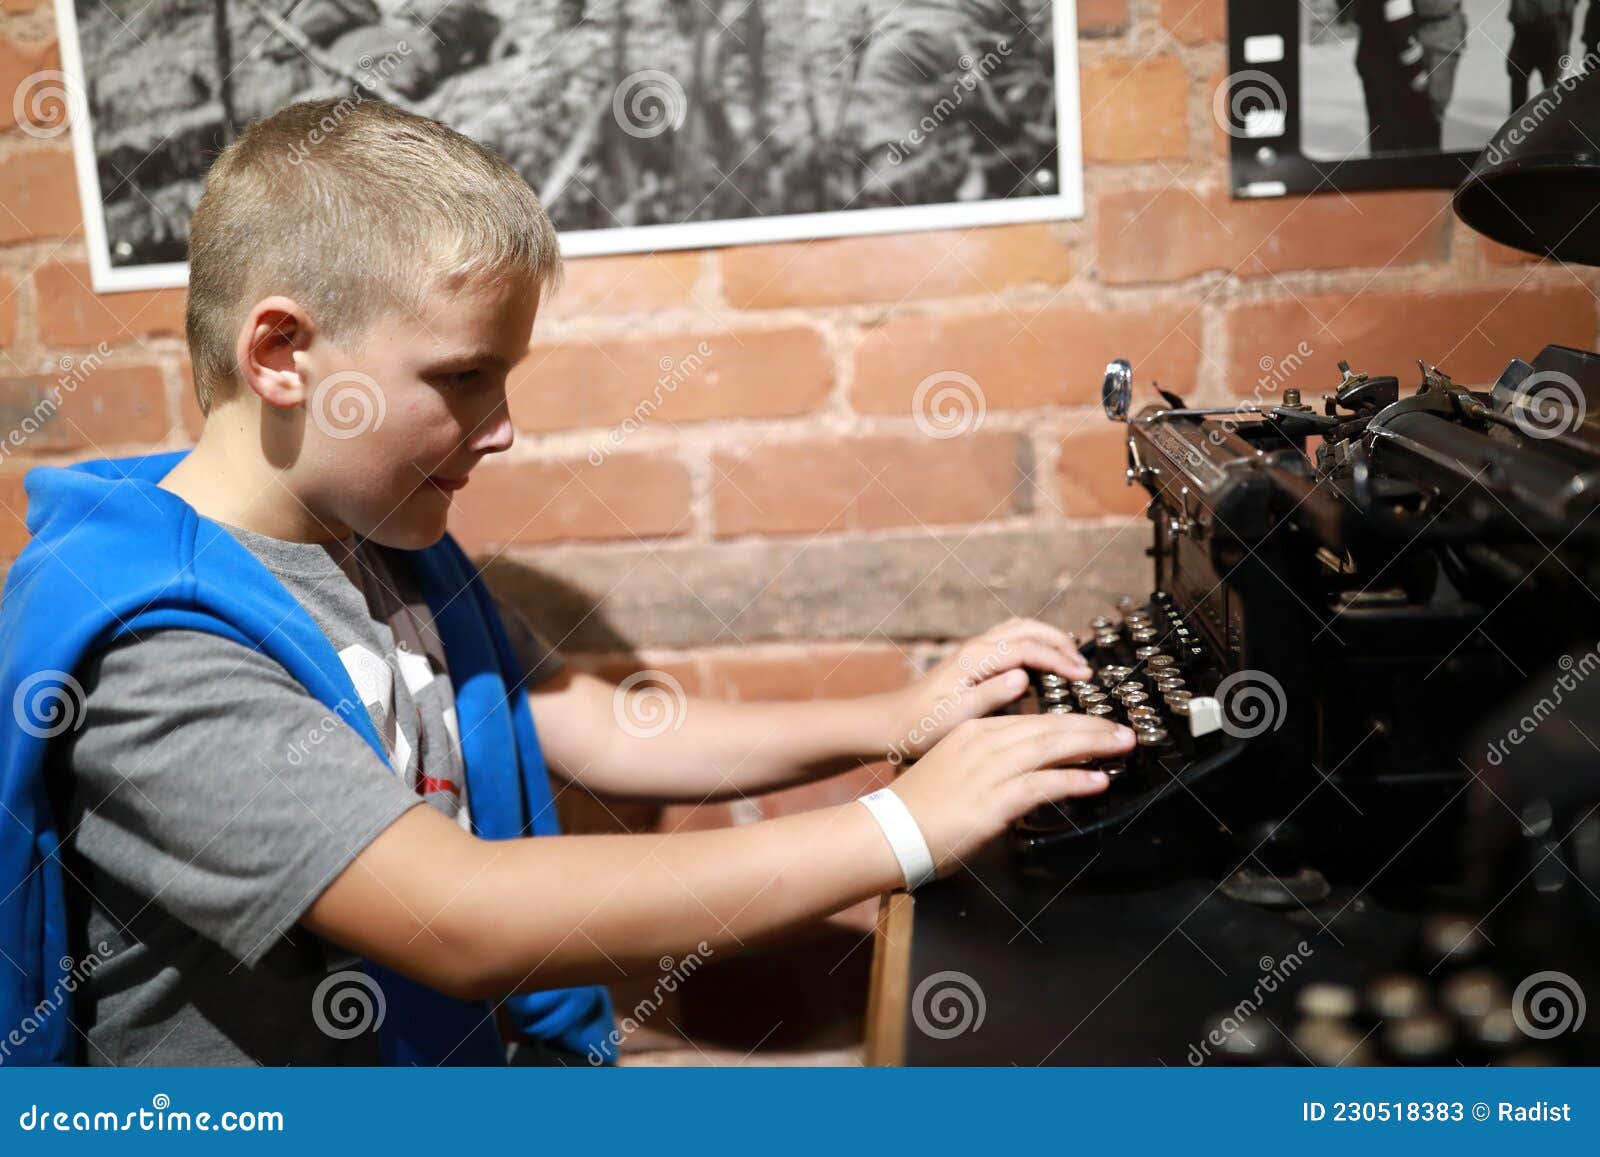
(457, 380)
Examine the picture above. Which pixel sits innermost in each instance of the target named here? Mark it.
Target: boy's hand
(987, 772)
(979, 678)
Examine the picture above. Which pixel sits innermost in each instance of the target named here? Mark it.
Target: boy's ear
(275, 329)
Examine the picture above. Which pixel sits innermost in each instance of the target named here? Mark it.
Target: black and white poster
(1329, 95)
(643, 124)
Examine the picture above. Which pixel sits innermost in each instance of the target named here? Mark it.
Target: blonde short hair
(356, 210)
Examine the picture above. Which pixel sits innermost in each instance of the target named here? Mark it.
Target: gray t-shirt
(208, 799)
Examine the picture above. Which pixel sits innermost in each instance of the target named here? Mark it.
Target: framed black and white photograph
(1326, 95)
(643, 124)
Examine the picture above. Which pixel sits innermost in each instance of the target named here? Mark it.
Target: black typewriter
(1325, 625)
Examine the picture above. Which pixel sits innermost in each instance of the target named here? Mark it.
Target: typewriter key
(1167, 683)
(1098, 709)
(1452, 939)
(1059, 709)
(1083, 686)
(1150, 736)
(1113, 769)
(1139, 712)
(1050, 679)
(1473, 993)
(1326, 1041)
(1419, 1040)
(1092, 699)
(1160, 662)
(1101, 623)
(1144, 635)
(1397, 995)
(1495, 1030)
(1125, 602)
(1133, 698)
(1178, 701)
(1324, 999)
(1144, 654)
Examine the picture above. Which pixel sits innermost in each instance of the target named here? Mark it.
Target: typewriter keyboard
(1152, 673)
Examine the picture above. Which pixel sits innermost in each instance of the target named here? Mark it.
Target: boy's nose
(495, 434)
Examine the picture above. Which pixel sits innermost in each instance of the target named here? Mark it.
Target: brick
(907, 585)
(1098, 18)
(681, 377)
(17, 7)
(834, 484)
(1135, 109)
(72, 314)
(8, 311)
(13, 513)
(1497, 254)
(1470, 335)
(1195, 21)
(634, 495)
(20, 60)
(894, 268)
(615, 667)
(1090, 475)
(1173, 233)
(188, 405)
(833, 671)
(38, 195)
(631, 283)
(108, 406)
(1023, 358)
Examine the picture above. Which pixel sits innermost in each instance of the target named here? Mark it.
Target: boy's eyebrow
(472, 358)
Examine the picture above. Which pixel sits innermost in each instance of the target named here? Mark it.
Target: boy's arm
(488, 918)
(649, 744)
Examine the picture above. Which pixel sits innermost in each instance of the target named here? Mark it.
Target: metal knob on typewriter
(1150, 736)
(1098, 709)
(1178, 701)
(1140, 713)
(1049, 680)
(1100, 624)
(1161, 662)
(1146, 653)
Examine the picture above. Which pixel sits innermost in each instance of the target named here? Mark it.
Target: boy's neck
(227, 479)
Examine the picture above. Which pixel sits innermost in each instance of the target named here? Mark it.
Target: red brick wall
(781, 525)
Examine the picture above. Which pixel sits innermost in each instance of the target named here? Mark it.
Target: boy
(266, 652)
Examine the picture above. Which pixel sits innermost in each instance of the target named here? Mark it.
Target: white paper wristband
(904, 836)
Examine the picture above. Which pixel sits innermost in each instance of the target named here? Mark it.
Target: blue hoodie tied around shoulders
(112, 553)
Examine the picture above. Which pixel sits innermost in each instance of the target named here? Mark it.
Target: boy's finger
(993, 694)
(1066, 782)
(1068, 742)
(1033, 628)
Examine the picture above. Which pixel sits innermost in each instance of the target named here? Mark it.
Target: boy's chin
(417, 532)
